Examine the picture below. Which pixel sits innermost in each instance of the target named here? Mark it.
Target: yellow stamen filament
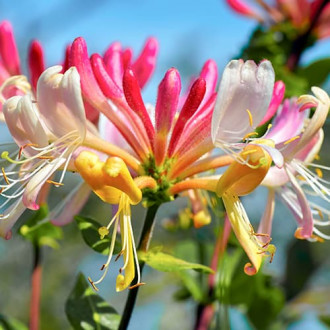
(25, 146)
(248, 152)
(4, 175)
(45, 157)
(319, 212)
(136, 285)
(292, 139)
(1, 190)
(250, 117)
(92, 284)
(319, 172)
(246, 136)
(55, 183)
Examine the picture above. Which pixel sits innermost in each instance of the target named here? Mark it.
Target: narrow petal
(244, 95)
(10, 217)
(265, 226)
(288, 122)
(306, 212)
(37, 181)
(318, 119)
(244, 232)
(278, 94)
(73, 204)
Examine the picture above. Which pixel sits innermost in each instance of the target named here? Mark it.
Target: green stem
(35, 289)
(145, 238)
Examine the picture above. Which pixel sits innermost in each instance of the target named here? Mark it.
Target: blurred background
(189, 33)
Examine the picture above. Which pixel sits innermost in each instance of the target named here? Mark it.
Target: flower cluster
(69, 119)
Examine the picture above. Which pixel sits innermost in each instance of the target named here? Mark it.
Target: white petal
(244, 86)
(60, 101)
(10, 217)
(33, 187)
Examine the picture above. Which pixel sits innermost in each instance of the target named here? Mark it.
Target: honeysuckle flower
(300, 143)
(299, 12)
(246, 98)
(150, 138)
(112, 182)
(245, 93)
(47, 132)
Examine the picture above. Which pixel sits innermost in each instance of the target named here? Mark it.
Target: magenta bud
(8, 49)
(36, 62)
(145, 64)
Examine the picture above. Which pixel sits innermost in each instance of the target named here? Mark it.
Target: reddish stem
(207, 311)
(35, 289)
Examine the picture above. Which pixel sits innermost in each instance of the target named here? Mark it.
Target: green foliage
(167, 263)
(262, 298)
(277, 44)
(41, 232)
(89, 231)
(317, 72)
(86, 310)
(8, 323)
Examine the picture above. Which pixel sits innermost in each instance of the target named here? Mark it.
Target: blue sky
(189, 32)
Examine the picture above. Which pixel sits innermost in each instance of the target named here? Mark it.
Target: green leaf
(8, 323)
(317, 72)
(167, 263)
(192, 284)
(261, 298)
(86, 310)
(41, 233)
(90, 232)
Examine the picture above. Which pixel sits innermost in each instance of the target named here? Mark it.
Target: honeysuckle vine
(68, 119)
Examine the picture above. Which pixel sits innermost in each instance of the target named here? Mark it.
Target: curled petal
(288, 122)
(318, 119)
(243, 178)
(306, 221)
(278, 94)
(60, 101)
(23, 121)
(243, 99)
(244, 232)
(37, 181)
(8, 220)
(265, 226)
(71, 206)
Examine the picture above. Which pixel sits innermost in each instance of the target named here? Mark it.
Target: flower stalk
(145, 238)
